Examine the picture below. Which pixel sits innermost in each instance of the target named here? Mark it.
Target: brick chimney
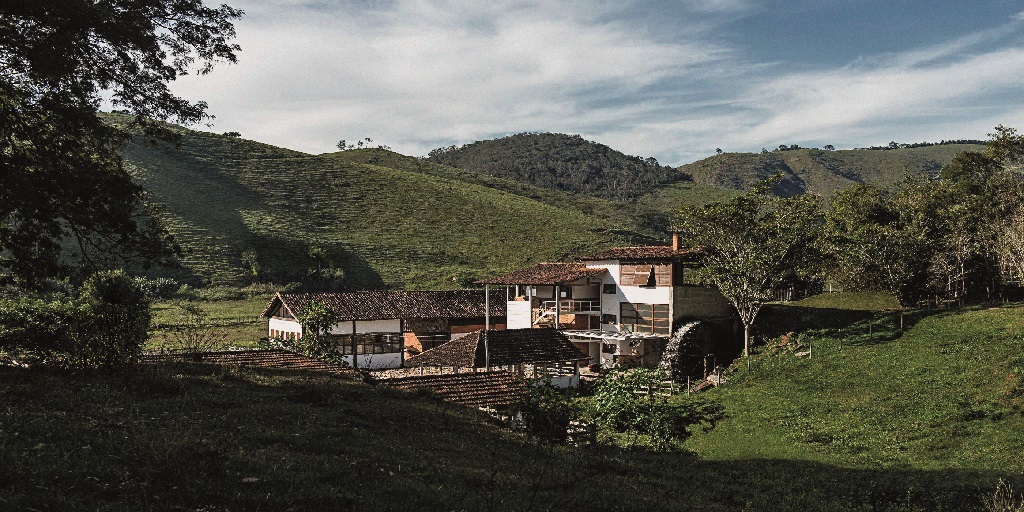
(675, 241)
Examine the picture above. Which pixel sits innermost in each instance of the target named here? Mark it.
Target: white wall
(567, 381)
(283, 325)
(633, 294)
(365, 326)
(520, 314)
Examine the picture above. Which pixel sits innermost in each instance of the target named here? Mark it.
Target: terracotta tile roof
(507, 347)
(280, 359)
(647, 252)
(484, 389)
(546, 274)
(390, 304)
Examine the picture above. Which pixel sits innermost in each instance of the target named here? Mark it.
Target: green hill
(822, 172)
(417, 227)
(561, 162)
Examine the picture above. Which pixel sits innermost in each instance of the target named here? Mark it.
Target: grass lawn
(931, 418)
(194, 437)
(947, 393)
(237, 322)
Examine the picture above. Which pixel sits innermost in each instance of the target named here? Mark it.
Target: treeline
(563, 162)
(957, 236)
(931, 240)
(891, 145)
(900, 145)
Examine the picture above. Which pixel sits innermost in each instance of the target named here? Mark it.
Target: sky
(673, 80)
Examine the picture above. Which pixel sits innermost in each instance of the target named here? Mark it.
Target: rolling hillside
(381, 226)
(821, 172)
(390, 220)
(562, 162)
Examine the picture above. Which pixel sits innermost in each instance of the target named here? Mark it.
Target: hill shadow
(858, 327)
(776, 484)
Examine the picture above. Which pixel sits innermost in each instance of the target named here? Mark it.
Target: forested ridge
(564, 162)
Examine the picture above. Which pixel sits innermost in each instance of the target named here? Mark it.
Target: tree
(119, 324)
(1010, 245)
(879, 239)
(316, 341)
(251, 263)
(58, 60)
(978, 195)
(829, 147)
(750, 245)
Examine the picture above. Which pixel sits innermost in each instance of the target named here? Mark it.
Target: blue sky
(670, 79)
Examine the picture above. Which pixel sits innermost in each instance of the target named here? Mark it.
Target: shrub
(192, 331)
(36, 330)
(105, 328)
(118, 325)
(547, 411)
(628, 402)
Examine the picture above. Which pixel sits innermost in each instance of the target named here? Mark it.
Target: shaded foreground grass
(194, 437)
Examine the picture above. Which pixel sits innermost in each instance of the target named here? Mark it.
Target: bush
(628, 402)
(106, 327)
(192, 332)
(547, 411)
(316, 340)
(119, 323)
(35, 330)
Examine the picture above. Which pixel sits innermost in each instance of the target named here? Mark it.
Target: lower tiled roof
(275, 358)
(508, 347)
(483, 389)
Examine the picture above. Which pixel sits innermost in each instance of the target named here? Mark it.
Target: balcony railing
(569, 306)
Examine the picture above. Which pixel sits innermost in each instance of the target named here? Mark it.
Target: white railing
(568, 306)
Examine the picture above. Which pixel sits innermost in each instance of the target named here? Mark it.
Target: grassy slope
(945, 394)
(384, 226)
(200, 438)
(821, 172)
(619, 218)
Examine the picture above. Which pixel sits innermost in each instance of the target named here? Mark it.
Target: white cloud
(410, 71)
(416, 75)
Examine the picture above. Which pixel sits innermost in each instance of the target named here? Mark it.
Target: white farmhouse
(618, 306)
(378, 329)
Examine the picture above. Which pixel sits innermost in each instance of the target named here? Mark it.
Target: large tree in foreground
(63, 177)
(750, 246)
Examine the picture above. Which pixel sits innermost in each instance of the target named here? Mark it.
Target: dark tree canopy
(63, 178)
(563, 162)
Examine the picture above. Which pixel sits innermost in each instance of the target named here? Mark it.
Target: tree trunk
(746, 340)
